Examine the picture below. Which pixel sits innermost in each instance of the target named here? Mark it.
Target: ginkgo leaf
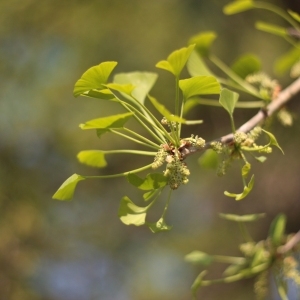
(94, 78)
(246, 65)
(228, 99)
(115, 121)
(196, 65)
(131, 214)
(66, 190)
(238, 6)
(176, 60)
(149, 195)
(199, 85)
(260, 158)
(104, 94)
(123, 88)
(151, 182)
(203, 41)
(142, 81)
(273, 141)
(93, 158)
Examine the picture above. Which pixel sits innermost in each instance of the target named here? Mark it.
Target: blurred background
(79, 250)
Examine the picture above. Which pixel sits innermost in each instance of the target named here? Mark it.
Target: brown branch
(283, 97)
(290, 244)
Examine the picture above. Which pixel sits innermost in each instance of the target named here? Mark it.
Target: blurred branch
(294, 33)
(290, 244)
(282, 98)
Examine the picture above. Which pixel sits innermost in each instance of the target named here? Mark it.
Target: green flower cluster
(176, 171)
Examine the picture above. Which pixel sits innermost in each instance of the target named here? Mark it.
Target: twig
(294, 33)
(290, 244)
(283, 97)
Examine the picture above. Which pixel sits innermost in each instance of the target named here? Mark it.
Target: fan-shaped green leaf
(66, 190)
(122, 88)
(261, 158)
(238, 6)
(151, 182)
(131, 214)
(273, 141)
(93, 158)
(245, 65)
(199, 85)
(228, 99)
(203, 42)
(94, 78)
(104, 94)
(149, 195)
(143, 82)
(196, 66)
(176, 60)
(115, 121)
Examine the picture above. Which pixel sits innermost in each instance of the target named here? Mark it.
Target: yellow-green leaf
(203, 41)
(196, 65)
(228, 99)
(115, 121)
(143, 82)
(94, 78)
(151, 182)
(238, 6)
(131, 214)
(176, 60)
(122, 88)
(246, 64)
(93, 158)
(273, 141)
(66, 190)
(199, 85)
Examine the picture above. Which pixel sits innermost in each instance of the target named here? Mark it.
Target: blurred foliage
(80, 250)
